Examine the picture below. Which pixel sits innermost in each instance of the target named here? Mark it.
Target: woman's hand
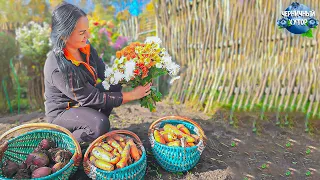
(141, 91)
(137, 93)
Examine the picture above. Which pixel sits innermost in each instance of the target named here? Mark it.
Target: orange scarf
(86, 51)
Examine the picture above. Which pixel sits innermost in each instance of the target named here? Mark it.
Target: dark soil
(232, 152)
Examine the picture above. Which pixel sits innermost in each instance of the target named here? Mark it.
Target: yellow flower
(103, 22)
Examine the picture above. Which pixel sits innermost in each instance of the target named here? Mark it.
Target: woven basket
(135, 171)
(177, 159)
(29, 136)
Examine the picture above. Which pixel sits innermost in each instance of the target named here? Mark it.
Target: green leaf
(288, 173)
(233, 144)
(308, 33)
(288, 144)
(308, 173)
(308, 151)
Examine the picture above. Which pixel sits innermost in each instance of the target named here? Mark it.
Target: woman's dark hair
(64, 20)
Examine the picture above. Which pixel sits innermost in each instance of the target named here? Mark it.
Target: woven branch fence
(233, 54)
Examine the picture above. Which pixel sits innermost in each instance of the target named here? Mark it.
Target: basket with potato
(38, 150)
(176, 143)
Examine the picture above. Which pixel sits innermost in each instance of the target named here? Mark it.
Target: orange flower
(133, 55)
(144, 74)
(136, 72)
(152, 63)
(118, 54)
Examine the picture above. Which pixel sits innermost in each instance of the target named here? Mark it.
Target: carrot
(114, 144)
(169, 137)
(134, 152)
(102, 154)
(122, 144)
(103, 165)
(92, 159)
(174, 143)
(158, 137)
(190, 144)
(118, 137)
(115, 160)
(140, 152)
(122, 163)
(182, 128)
(126, 151)
(124, 157)
(106, 146)
(180, 134)
(115, 152)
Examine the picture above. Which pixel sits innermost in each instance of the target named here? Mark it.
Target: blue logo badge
(298, 19)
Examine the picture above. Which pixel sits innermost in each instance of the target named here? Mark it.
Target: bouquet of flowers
(138, 64)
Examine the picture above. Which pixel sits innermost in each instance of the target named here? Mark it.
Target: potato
(41, 172)
(10, 168)
(23, 174)
(46, 144)
(63, 156)
(39, 159)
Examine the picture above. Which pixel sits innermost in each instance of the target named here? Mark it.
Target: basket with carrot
(117, 154)
(176, 142)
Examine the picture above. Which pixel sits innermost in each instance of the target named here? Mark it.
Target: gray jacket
(58, 98)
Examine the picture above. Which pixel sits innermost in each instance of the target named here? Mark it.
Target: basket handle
(99, 139)
(78, 155)
(151, 129)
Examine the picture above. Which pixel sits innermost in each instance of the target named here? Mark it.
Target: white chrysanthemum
(111, 80)
(158, 65)
(173, 68)
(114, 67)
(122, 59)
(153, 39)
(166, 59)
(107, 72)
(174, 78)
(129, 68)
(106, 85)
(118, 76)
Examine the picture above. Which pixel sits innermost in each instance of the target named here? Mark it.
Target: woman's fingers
(147, 93)
(148, 87)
